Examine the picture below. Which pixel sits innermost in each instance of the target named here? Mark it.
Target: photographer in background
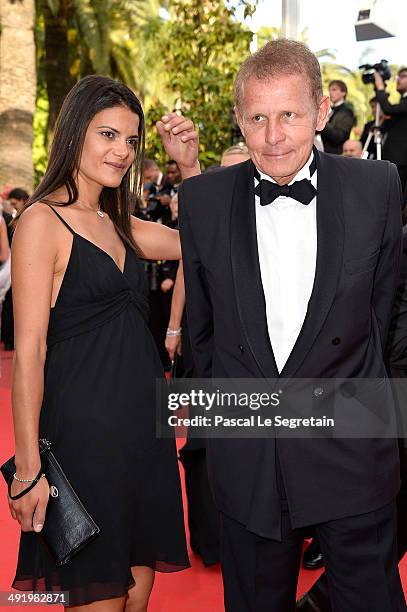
(395, 146)
(155, 193)
(341, 119)
(369, 128)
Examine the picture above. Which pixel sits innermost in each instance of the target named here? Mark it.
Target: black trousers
(260, 575)
(319, 592)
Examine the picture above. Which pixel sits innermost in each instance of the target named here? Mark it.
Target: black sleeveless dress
(99, 413)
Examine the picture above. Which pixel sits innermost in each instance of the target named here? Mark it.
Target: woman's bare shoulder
(38, 228)
(37, 216)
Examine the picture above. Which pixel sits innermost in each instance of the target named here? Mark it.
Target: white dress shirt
(287, 247)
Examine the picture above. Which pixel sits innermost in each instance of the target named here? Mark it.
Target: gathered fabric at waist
(68, 321)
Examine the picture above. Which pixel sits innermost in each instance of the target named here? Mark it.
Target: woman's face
(109, 148)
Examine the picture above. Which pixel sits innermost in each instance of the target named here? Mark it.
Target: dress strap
(61, 219)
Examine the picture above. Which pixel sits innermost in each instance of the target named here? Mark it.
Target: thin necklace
(98, 212)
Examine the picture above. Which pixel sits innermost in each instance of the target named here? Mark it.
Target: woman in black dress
(85, 362)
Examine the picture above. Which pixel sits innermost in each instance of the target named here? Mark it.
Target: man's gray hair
(280, 58)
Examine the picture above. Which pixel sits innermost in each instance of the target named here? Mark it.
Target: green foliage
(40, 154)
(118, 38)
(205, 46)
(265, 34)
(154, 147)
(186, 62)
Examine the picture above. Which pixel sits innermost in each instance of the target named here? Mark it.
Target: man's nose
(274, 133)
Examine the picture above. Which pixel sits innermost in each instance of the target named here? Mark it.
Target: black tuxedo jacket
(396, 350)
(338, 128)
(358, 252)
(395, 146)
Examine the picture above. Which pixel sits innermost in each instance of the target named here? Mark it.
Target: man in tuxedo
(291, 263)
(340, 120)
(395, 145)
(317, 599)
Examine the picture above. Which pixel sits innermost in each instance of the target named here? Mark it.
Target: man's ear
(239, 120)
(323, 113)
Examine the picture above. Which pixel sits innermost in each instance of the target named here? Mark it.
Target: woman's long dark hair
(90, 96)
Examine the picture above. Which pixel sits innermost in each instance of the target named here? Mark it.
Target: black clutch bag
(68, 527)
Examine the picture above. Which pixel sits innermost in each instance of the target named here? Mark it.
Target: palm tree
(58, 78)
(121, 38)
(117, 38)
(17, 92)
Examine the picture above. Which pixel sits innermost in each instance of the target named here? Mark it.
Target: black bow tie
(302, 191)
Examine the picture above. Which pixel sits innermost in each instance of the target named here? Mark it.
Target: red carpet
(198, 589)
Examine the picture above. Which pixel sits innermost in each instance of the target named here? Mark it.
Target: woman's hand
(173, 346)
(30, 509)
(180, 140)
(167, 285)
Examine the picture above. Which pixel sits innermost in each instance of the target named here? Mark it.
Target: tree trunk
(57, 75)
(17, 92)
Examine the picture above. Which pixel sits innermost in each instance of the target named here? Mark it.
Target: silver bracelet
(174, 332)
(24, 480)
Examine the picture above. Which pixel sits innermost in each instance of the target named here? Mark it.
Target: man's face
(278, 119)
(17, 204)
(352, 148)
(173, 174)
(151, 174)
(336, 94)
(402, 82)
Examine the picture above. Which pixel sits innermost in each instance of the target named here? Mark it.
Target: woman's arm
(173, 343)
(155, 240)
(180, 140)
(34, 254)
(4, 246)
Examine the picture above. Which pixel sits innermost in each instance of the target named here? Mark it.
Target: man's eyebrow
(114, 130)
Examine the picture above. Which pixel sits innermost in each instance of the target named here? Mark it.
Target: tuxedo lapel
(330, 237)
(246, 271)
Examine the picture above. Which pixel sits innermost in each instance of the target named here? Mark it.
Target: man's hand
(378, 81)
(180, 140)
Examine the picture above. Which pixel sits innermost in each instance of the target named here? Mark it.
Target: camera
(381, 67)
